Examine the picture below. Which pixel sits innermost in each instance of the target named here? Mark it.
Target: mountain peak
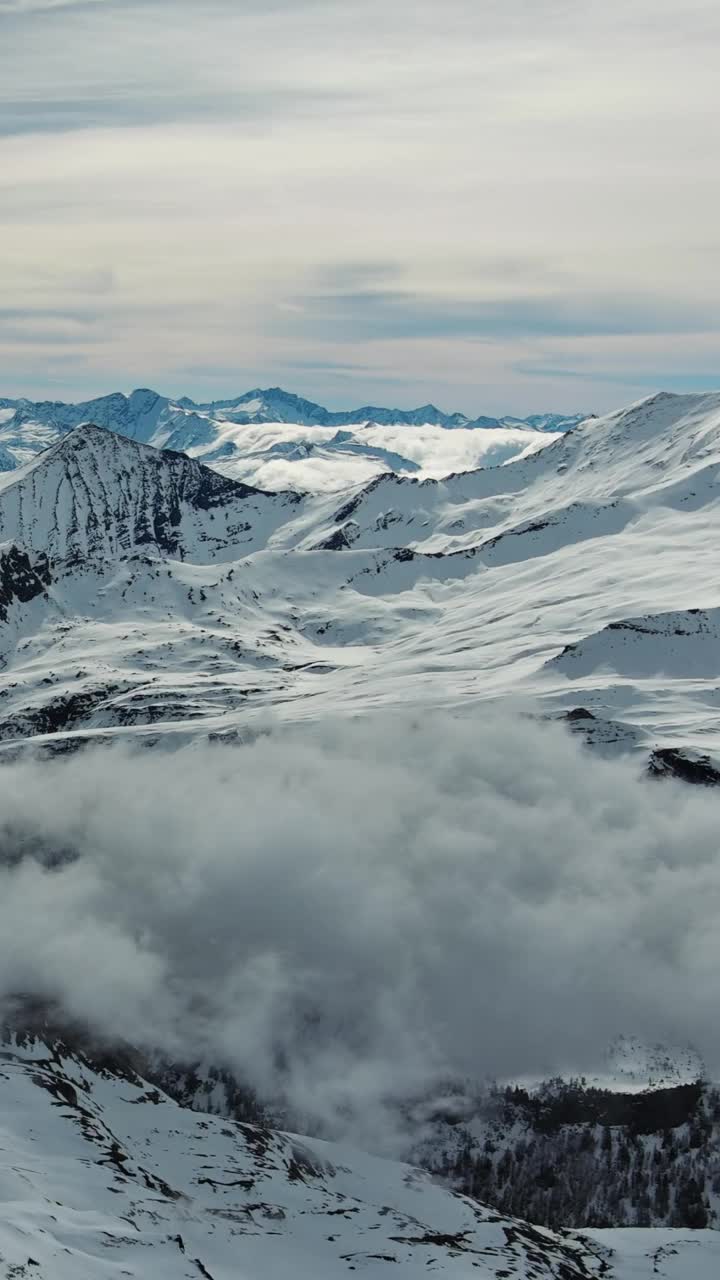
(77, 435)
(100, 495)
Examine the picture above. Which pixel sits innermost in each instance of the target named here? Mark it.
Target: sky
(496, 205)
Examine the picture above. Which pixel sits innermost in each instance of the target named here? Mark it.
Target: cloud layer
(538, 182)
(345, 914)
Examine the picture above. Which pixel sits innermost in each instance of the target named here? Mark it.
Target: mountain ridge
(271, 404)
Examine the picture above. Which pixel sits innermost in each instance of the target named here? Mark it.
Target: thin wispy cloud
(25, 7)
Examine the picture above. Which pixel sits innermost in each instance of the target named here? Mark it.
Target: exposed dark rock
(341, 540)
(687, 766)
(60, 714)
(21, 579)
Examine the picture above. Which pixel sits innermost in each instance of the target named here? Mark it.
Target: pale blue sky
(497, 205)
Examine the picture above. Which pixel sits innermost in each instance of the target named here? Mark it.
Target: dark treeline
(573, 1156)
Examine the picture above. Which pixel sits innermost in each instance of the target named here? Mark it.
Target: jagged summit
(269, 404)
(138, 411)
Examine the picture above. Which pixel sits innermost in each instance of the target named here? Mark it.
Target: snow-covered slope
(607, 473)
(638, 1145)
(103, 1174)
(681, 644)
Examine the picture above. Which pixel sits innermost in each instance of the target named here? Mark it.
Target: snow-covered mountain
(142, 588)
(104, 1174)
(275, 405)
(97, 497)
(143, 410)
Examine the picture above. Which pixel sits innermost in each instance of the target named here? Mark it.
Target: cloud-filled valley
(344, 915)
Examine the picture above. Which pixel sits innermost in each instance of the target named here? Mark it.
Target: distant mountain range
(27, 425)
(276, 440)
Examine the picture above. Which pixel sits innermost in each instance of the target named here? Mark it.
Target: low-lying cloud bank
(344, 914)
